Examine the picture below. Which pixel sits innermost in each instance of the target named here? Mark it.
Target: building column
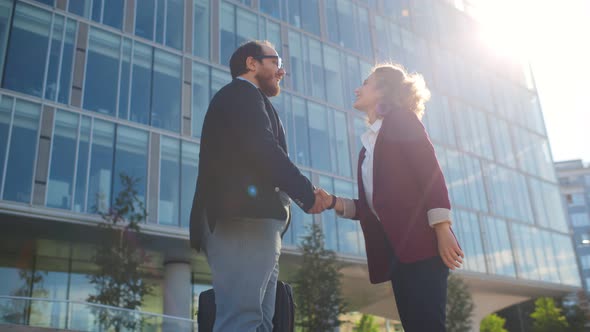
(177, 288)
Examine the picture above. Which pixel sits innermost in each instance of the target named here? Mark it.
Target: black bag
(283, 319)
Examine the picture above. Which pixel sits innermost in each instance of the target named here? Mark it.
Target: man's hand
(448, 247)
(322, 201)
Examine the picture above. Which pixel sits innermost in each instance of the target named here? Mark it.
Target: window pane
(498, 247)
(80, 7)
(141, 83)
(82, 169)
(61, 56)
(113, 13)
(169, 206)
(101, 166)
(466, 227)
(364, 33)
(96, 10)
(247, 26)
(5, 16)
(348, 230)
(227, 28)
(332, 64)
(218, 80)
(189, 171)
(316, 68)
(332, 21)
(296, 61)
(168, 86)
(319, 135)
(22, 153)
(282, 103)
(347, 27)
(301, 133)
(144, 18)
(160, 11)
(175, 23)
(63, 159)
(27, 52)
(300, 223)
(102, 70)
(294, 7)
(201, 29)
(341, 142)
(131, 160)
(508, 193)
(200, 98)
(124, 86)
(329, 224)
(65, 80)
(5, 119)
(310, 19)
(566, 260)
(271, 7)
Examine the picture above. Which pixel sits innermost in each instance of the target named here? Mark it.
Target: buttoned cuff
(349, 208)
(438, 215)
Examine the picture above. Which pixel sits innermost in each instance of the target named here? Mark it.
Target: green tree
(547, 317)
(366, 324)
(459, 305)
(317, 285)
(492, 323)
(119, 281)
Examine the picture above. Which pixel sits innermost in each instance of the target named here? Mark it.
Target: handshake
(323, 201)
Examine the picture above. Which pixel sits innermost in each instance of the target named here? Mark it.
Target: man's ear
(251, 63)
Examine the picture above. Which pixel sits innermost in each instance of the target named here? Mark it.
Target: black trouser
(420, 291)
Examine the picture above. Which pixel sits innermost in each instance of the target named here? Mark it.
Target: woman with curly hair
(403, 203)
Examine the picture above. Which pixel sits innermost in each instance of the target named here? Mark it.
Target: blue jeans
(243, 254)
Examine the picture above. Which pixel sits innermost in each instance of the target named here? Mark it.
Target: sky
(554, 35)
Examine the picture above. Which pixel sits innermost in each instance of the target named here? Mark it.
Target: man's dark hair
(237, 62)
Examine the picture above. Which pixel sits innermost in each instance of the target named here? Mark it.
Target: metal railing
(84, 316)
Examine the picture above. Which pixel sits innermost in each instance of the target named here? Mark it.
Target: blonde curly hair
(401, 91)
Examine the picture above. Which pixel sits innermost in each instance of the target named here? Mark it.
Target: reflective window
(340, 141)
(524, 238)
(141, 83)
(82, 177)
(5, 18)
(438, 119)
(547, 204)
(168, 17)
(304, 14)
(508, 193)
(533, 154)
(109, 12)
(6, 104)
(502, 143)
(188, 175)
(200, 97)
(352, 80)
(329, 224)
(227, 28)
(349, 232)
(167, 87)
(580, 219)
(363, 29)
(320, 128)
(219, 79)
(466, 227)
(359, 127)
(271, 31)
(169, 203)
(201, 28)
(102, 69)
(300, 223)
(22, 152)
(332, 21)
(546, 258)
(566, 260)
(473, 131)
(131, 160)
(498, 248)
(63, 163)
(300, 122)
(271, 7)
(101, 166)
(61, 58)
(296, 61)
(124, 83)
(348, 30)
(585, 262)
(333, 63)
(53, 285)
(27, 51)
(282, 104)
(315, 70)
(47, 2)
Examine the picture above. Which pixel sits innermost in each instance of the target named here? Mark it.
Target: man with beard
(241, 206)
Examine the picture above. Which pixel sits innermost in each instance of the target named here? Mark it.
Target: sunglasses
(279, 60)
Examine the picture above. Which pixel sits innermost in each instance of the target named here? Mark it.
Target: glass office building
(94, 88)
(574, 180)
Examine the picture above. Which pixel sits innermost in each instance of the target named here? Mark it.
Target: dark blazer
(243, 162)
(407, 182)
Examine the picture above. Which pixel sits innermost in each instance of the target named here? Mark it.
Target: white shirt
(368, 139)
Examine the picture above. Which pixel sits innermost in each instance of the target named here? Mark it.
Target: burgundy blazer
(407, 182)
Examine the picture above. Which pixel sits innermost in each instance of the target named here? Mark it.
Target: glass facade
(122, 87)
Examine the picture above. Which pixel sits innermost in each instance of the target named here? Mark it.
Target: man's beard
(268, 85)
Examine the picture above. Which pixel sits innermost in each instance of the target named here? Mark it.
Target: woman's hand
(448, 247)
